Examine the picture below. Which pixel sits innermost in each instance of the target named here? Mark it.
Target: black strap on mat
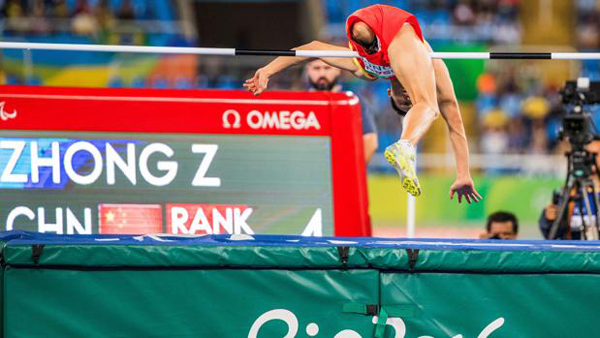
(343, 251)
(413, 257)
(36, 252)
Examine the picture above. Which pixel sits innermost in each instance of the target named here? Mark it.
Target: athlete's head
(322, 76)
(364, 36)
(399, 100)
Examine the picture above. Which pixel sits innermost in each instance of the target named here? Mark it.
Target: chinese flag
(130, 219)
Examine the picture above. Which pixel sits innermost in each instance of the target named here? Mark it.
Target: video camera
(576, 124)
(583, 91)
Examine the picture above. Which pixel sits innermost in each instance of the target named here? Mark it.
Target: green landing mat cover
(290, 286)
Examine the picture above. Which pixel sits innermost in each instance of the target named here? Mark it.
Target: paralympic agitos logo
(280, 120)
(5, 116)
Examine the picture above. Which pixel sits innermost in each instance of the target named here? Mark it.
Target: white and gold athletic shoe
(402, 156)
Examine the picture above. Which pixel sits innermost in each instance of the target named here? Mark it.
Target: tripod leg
(564, 203)
(595, 211)
(590, 229)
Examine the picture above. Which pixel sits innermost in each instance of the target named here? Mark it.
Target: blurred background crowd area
(132, 22)
(509, 107)
(512, 109)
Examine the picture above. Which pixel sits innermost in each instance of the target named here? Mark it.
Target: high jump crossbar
(301, 53)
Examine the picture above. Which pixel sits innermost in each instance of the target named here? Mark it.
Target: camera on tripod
(582, 91)
(576, 124)
(579, 189)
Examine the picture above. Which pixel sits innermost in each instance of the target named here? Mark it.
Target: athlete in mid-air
(391, 46)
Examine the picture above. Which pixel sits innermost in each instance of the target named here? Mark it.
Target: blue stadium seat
(334, 11)
(402, 4)
(594, 76)
(143, 9)
(116, 82)
(183, 83)
(12, 80)
(440, 17)
(163, 9)
(34, 81)
(422, 15)
(160, 82)
(138, 82)
(354, 5)
(485, 103)
(591, 69)
(511, 104)
(227, 82)
(202, 82)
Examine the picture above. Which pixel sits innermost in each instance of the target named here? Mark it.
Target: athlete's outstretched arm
(259, 82)
(450, 111)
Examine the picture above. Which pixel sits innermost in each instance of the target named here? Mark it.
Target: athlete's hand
(259, 82)
(464, 187)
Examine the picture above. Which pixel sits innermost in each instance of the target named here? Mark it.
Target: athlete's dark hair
(397, 109)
